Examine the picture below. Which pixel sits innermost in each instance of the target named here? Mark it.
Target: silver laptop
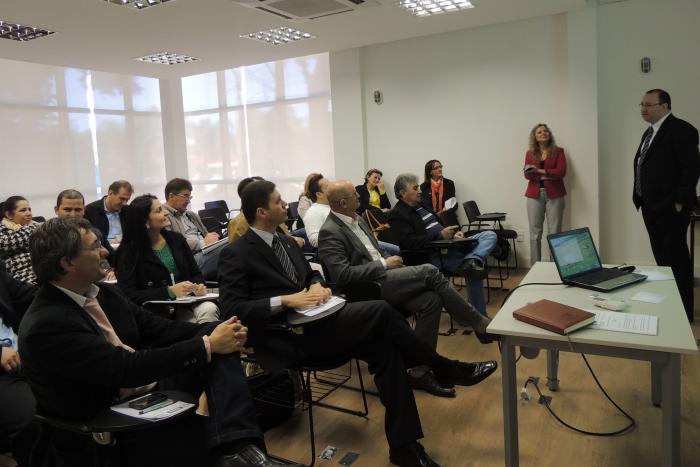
(578, 263)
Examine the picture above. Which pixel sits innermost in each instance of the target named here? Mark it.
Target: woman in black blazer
(156, 264)
(372, 193)
(436, 189)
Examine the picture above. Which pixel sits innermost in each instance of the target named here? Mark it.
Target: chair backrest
(217, 213)
(219, 203)
(293, 210)
(472, 211)
(39, 219)
(448, 217)
(212, 224)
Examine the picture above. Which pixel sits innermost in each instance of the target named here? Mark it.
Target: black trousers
(17, 406)
(184, 442)
(376, 333)
(668, 231)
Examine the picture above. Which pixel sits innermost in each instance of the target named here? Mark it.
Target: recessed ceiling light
(434, 7)
(21, 32)
(138, 4)
(278, 36)
(167, 58)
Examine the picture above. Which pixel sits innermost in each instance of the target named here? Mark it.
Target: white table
(663, 350)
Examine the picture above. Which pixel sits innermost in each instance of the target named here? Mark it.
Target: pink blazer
(555, 168)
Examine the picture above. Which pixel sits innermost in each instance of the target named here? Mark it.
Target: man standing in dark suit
(263, 274)
(16, 399)
(666, 170)
(350, 252)
(85, 345)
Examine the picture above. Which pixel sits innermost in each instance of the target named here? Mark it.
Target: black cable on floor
(545, 401)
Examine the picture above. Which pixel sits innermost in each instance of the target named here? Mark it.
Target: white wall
(470, 98)
(627, 32)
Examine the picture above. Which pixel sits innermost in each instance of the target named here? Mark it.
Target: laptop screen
(574, 252)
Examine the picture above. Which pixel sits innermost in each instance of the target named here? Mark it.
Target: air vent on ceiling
(300, 11)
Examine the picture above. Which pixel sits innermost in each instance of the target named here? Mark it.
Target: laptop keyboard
(600, 276)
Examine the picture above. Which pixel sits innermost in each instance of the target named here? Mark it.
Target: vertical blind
(272, 120)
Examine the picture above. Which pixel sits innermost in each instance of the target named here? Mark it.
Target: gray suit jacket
(178, 225)
(345, 257)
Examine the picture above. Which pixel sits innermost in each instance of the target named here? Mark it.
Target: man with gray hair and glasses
(416, 225)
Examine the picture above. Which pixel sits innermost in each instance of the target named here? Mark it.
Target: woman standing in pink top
(545, 167)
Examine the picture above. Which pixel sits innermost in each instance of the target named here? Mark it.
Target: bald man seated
(351, 253)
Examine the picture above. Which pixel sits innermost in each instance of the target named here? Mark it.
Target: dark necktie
(642, 154)
(284, 260)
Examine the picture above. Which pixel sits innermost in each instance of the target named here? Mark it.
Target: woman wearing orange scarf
(436, 189)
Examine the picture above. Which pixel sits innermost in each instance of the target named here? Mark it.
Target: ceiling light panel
(21, 32)
(278, 36)
(138, 4)
(434, 7)
(167, 58)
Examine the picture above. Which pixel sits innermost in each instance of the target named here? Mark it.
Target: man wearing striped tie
(666, 170)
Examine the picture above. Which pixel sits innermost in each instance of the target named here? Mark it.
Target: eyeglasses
(182, 195)
(646, 105)
(94, 247)
(437, 167)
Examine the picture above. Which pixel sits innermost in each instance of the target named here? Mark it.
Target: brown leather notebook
(554, 316)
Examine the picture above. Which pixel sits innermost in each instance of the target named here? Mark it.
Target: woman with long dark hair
(436, 189)
(545, 167)
(156, 264)
(15, 229)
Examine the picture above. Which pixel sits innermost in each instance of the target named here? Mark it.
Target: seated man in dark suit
(107, 214)
(16, 399)
(85, 346)
(351, 253)
(416, 225)
(263, 274)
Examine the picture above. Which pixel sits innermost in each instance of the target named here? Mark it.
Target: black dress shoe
(487, 337)
(468, 374)
(472, 269)
(411, 455)
(250, 456)
(430, 384)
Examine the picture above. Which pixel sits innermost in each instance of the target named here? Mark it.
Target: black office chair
(293, 216)
(212, 225)
(322, 376)
(219, 204)
(479, 222)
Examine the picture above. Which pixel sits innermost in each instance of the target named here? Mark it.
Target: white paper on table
(158, 414)
(624, 322)
(314, 310)
(648, 297)
(187, 299)
(654, 275)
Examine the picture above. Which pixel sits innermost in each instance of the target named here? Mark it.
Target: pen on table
(172, 279)
(160, 405)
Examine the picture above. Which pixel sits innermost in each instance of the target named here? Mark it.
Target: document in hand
(554, 316)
